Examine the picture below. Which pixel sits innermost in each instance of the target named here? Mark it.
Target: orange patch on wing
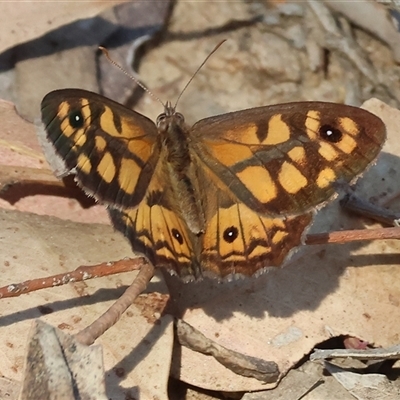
(229, 154)
(85, 109)
(63, 111)
(291, 179)
(100, 143)
(349, 126)
(224, 220)
(128, 175)
(297, 154)
(347, 144)
(80, 138)
(140, 148)
(254, 228)
(247, 134)
(278, 131)
(84, 163)
(107, 123)
(327, 151)
(106, 167)
(163, 221)
(312, 124)
(259, 182)
(143, 224)
(279, 236)
(326, 177)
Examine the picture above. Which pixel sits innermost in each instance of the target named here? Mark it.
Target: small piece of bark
(391, 353)
(58, 367)
(265, 371)
(364, 208)
(364, 386)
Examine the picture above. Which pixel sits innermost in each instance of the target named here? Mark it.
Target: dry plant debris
(292, 52)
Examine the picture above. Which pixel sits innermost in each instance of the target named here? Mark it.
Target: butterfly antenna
(198, 69)
(105, 52)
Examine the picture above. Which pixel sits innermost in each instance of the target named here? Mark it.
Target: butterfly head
(169, 118)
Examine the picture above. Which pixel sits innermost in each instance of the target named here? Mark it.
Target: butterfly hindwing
(237, 240)
(159, 233)
(284, 159)
(112, 150)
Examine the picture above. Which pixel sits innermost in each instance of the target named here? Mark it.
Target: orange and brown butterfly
(232, 194)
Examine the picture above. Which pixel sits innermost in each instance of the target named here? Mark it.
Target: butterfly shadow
(280, 292)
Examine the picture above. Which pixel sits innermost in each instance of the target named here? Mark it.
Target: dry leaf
(28, 20)
(282, 315)
(137, 350)
(364, 386)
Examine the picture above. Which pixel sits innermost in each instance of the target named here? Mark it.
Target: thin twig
(111, 316)
(82, 273)
(353, 236)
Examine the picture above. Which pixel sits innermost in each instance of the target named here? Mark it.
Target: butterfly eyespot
(177, 236)
(75, 119)
(230, 234)
(330, 134)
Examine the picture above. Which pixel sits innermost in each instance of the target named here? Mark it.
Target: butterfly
(231, 195)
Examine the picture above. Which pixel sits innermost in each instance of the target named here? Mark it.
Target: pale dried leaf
(28, 20)
(9, 389)
(137, 350)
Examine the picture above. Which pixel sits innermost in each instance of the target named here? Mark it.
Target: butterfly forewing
(284, 159)
(112, 150)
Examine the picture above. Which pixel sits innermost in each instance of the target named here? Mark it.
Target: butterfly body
(233, 194)
(181, 170)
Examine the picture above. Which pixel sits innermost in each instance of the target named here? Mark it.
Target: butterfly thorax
(175, 141)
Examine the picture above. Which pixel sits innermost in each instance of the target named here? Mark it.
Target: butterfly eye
(330, 134)
(230, 234)
(177, 236)
(75, 119)
(161, 118)
(180, 117)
